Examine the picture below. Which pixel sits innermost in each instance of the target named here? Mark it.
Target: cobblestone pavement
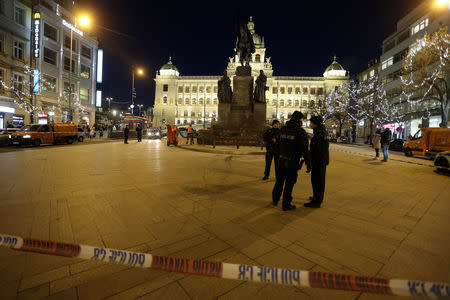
(384, 219)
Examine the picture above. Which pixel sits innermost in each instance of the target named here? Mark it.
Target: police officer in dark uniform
(293, 145)
(319, 160)
(271, 137)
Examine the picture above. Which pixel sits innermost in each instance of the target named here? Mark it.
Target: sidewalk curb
(228, 152)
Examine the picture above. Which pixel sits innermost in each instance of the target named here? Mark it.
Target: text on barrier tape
(273, 275)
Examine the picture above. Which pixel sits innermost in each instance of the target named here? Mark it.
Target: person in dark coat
(293, 145)
(139, 132)
(320, 158)
(271, 137)
(126, 131)
(386, 136)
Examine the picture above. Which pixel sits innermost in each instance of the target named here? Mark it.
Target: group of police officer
(288, 147)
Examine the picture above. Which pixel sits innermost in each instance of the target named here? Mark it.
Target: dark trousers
(286, 177)
(377, 152)
(126, 139)
(318, 182)
(139, 136)
(269, 156)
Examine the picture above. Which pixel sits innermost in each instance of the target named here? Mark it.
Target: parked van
(37, 134)
(428, 142)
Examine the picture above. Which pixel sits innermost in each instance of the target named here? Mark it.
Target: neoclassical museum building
(183, 100)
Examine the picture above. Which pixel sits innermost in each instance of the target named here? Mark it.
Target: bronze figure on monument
(244, 45)
(224, 93)
(261, 88)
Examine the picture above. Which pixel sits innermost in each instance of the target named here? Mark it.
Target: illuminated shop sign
(36, 80)
(73, 28)
(37, 35)
(99, 65)
(98, 100)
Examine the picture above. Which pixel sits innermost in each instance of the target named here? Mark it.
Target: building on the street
(427, 17)
(43, 65)
(193, 99)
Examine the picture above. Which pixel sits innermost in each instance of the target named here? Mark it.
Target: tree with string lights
(337, 106)
(25, 99)
(373, 104)
(425, 73)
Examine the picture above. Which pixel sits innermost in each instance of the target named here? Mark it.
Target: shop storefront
(6, 114)
(397, 129)
(412, 126)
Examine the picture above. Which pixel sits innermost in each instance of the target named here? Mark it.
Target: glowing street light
(140, 71)
(84, 21)
(442, 3)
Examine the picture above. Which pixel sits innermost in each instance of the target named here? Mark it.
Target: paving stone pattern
(378, 219)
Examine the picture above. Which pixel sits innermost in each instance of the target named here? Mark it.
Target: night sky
(300, 36)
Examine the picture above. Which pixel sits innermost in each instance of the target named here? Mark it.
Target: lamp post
(204, 113)
(84, 21)
(133, 91)
(140, 107)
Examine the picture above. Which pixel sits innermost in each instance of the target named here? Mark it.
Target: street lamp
(139, 71)
(140, 107)
(84, 21)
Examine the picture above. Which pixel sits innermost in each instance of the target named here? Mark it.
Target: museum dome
(335, 69)
(169, 69)
(257, 40)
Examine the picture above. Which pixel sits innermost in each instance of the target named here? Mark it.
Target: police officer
(126, 131)
(319, 161)
(271, 137)
(293, 145)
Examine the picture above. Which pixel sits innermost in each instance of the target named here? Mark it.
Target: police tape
(292, 277)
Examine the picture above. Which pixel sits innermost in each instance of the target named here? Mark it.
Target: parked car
(37, 134)
(81, 134)
(153, 133)
(4, 135)
(428, 142)
(442, 161)
(396, 145)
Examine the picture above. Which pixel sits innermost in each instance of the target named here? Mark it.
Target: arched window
(194, 101)
(208, 101)
(297, 103)
(297, 91)
(208, 89)
(180, 101)
(194, 89)
(178, 121)
(274, 102)
(164, 100)
(186, 101)
(186, 113)
(185, 122)
(200, 101)
(201, 89)
(311, 103)
(305, 103)
(215, 101)
(289, 102)
(187, 89)
(192, 113)
(281, 102)
(257, 58)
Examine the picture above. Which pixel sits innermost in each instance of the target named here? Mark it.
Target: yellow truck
(428, 141)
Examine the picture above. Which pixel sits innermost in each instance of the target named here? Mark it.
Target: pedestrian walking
(100, 132)
(376, 142)
(139, 132)
(126, 131)
(92, 132)
(190, 134)
(386, 136)
(271, 137)
(320, 158)
(293, 145)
